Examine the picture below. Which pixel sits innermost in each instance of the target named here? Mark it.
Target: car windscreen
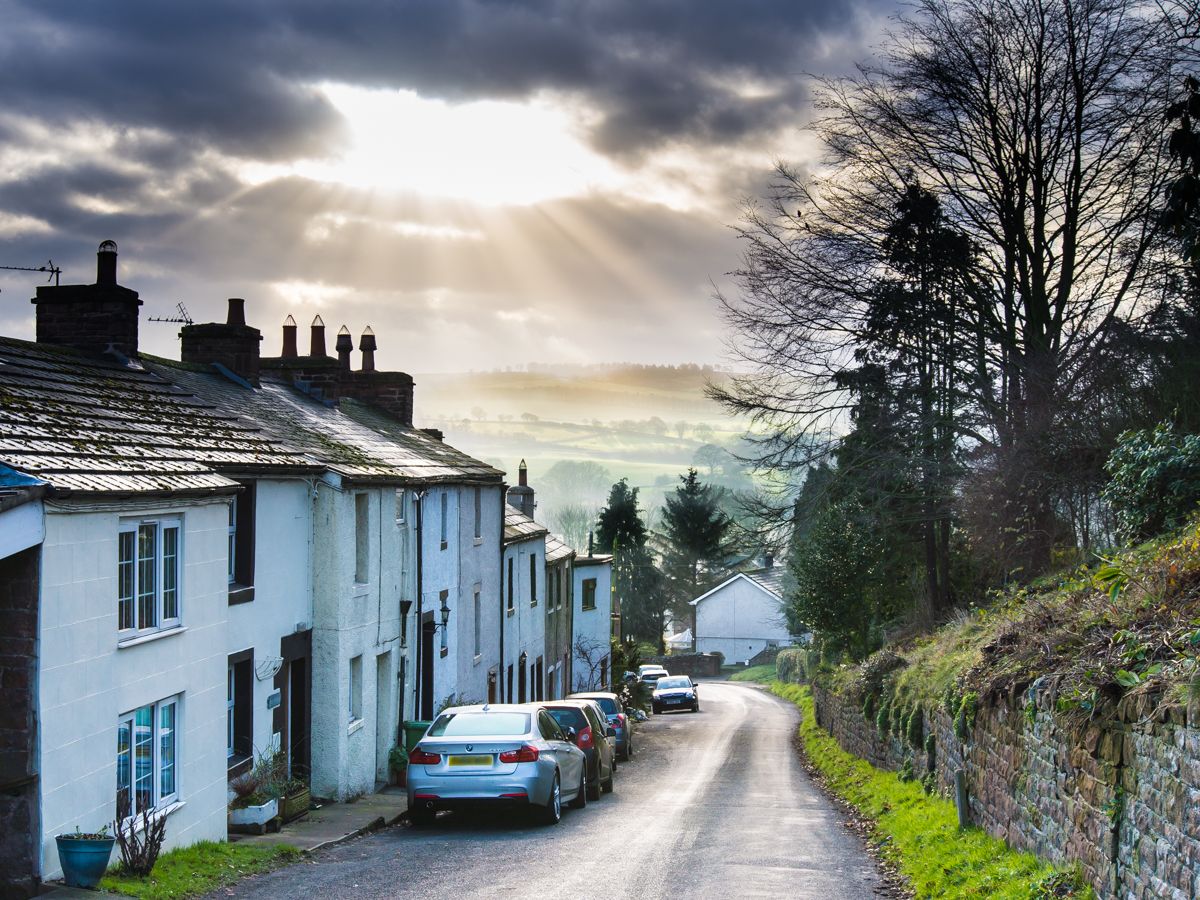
(650, 677)
(666, 684)
(480, 724)
(569, 718)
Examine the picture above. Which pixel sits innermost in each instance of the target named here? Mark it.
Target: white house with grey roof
(526, 607)
(231, 564)
(743, 615)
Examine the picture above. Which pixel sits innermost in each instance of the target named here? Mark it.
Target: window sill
(511, 611)
(445, 545)
(478, 657)
(361, 589)
(479, 541)
(147, 638)
(445, 652)
(354, 726)
(155, 816)
(240, 593)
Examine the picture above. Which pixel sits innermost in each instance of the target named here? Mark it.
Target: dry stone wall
(1120, 799)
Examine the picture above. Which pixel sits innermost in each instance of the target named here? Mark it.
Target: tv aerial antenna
(181, 316)
(50, 268)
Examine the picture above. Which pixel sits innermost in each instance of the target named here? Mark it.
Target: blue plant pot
(83, 861)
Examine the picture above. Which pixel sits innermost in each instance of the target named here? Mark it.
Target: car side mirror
(612, 732)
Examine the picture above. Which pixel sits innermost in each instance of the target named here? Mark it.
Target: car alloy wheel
(581, 796)
(552, 811)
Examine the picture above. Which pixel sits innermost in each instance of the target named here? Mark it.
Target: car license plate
(477, 760)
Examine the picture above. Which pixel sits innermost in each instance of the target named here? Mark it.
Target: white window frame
(159, 799)
(401, 510)
(478, 624)
(230, 696)
(135, 625)
(233, 522)
(354, 707)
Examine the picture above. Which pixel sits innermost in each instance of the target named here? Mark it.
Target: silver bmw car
(495, 754)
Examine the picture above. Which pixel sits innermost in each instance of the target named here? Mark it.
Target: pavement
(324, 827)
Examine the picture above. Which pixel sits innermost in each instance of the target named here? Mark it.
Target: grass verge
(762, 674)
(200, 868)
(919, 832)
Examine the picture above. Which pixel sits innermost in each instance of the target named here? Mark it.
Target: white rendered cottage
(742, 616)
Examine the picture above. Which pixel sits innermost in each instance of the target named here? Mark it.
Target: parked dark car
(618, 718)
(675, 692)
(592, 737)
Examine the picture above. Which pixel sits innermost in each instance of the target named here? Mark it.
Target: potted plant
(398, 763)
(84, 856)
(252, 807)
(295, 798)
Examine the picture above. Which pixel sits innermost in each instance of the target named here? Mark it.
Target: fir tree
(697, 540)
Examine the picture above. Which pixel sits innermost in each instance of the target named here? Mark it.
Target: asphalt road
(713, 805)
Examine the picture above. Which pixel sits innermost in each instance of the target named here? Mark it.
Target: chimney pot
(289, 339)
(106, 263)
(344, 346)
(316, 345)
(237, 312)
(523, 474)
(366, 343)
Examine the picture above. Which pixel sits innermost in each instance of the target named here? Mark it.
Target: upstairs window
(401, 509)
(362, 543)
(241, 545)
(589, 593)
(510, 582)
(445, 503)
(478, 514)
(533, 579)
(149, 569)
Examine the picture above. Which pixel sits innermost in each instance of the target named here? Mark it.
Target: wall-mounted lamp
(444, 611)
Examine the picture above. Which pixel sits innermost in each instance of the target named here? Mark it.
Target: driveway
(713, 805)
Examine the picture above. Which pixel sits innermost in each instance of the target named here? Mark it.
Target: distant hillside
(644, 423)
(574, 394)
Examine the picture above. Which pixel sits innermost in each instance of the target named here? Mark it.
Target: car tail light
(419, 757)
(585, 737)
(524, 754)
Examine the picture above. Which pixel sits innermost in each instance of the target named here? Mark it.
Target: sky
(485, 184)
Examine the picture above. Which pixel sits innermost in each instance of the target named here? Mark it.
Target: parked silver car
(495, 754)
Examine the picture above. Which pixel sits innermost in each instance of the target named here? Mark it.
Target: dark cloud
(237, 73)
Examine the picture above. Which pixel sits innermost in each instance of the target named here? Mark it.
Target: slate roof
(519, 527)
(556, 549)
(352, 439)
(771, 579)
(91, 423)
(99, 424)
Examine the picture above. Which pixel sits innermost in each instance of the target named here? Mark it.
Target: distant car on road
(592, 737)
(649, 675)
(675, 692)
(496, 754)
(618, 718)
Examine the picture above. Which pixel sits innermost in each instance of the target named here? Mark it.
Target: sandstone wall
(1120, 799)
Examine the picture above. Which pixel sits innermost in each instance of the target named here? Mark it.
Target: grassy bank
(762, 674)
(200, 868)
(919, 832)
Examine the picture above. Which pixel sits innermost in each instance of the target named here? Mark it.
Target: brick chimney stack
(289, 339)
(90, 317)
(366, 344)
(344, 347)
(520, 496)
(316, 344)
(233, 344)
